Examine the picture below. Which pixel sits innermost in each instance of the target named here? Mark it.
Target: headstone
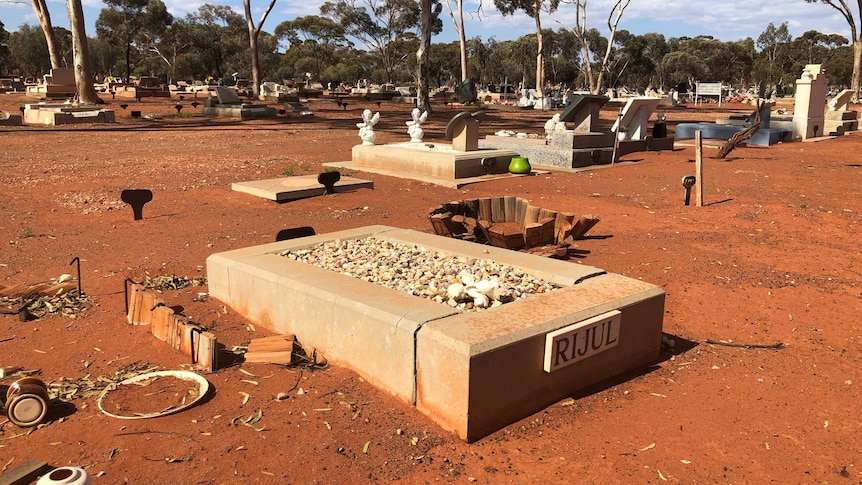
(811, 87)
(465, 93)
(137, 198)
(227, 95)
(583, 112)
(840, 102)
(328, 180)
(635, 116)
(294, 233)
(463, 130)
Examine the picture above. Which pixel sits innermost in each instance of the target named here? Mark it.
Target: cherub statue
(366, 128)
(554, 124)
(415, 127)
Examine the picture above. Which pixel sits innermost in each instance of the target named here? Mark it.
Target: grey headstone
(227, 96)
(466, 92)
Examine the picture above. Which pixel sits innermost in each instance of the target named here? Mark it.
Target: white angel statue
(554, 124)
(415, 127)
(366, 128)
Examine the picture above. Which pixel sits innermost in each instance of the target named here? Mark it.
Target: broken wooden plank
(548, 229)
(506, 235)
(206, 356)
(510, 204)
(485, 209)
(25, 473)
(498, 210)
(533, 234)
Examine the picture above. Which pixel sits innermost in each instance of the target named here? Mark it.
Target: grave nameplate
(572, 344)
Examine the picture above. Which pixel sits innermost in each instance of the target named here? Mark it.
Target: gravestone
(463, 131)
(227, 96)
(465, 93)
(635, 116)
(839, 118)
(583, 112)
(811, 89)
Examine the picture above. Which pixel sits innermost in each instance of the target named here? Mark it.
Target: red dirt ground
(774, 256)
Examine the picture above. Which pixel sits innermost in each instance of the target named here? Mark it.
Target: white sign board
(578, 341)
(707, 89)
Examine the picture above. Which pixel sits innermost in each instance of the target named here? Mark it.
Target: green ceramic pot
(520, 165)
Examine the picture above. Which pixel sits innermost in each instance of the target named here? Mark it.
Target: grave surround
(472, 373)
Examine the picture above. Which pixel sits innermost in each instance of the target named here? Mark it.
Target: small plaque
(582, 340)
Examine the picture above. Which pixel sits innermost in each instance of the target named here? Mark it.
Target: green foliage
(27, 232)
(288, 172)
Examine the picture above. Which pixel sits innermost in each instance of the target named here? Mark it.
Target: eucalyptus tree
(28, 51)
(253, 38)
(533, 8)
(844, 7)
(40, 7)
(773, 43)
(125, 22)
(5, 55)
(219, 39)
(379, 25)
(596, 81)
(311, 41)
(82, 63)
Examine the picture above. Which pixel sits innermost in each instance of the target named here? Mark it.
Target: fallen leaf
(365, 448)
(268, 473)
(247, 373)
(323, 409)
(568, 402)
(245, 397)
(660, 475)
(825, 424)
(327, 425)
(249, 381)
(647, 447)
(40, 351)
(657, 395)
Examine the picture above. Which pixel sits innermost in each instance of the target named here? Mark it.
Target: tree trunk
(253, 34)
(462, 39)
(857, 65)
(422, 91)
(41, 9)
(540, 60)
(128, 61)
(81, 53)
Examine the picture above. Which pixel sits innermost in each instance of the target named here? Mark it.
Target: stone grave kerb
(635, 116)
(808, 116)
(583, 112)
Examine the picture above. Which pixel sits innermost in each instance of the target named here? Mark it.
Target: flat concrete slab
(298, 187)
(441, 181)
(474, 372)
(66, 114)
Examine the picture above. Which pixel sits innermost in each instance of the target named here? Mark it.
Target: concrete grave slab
(298, 187)
(66, 114)
(472, 373)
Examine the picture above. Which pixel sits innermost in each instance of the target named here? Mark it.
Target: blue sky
(724, 20)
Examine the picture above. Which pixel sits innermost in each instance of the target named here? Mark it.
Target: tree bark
(41, 9)
(422, 91)
(462, 39)
(857, 66)
(83, 65)
(540, 58)
(253, 35)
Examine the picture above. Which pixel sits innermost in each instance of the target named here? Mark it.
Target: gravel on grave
(417, 270)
